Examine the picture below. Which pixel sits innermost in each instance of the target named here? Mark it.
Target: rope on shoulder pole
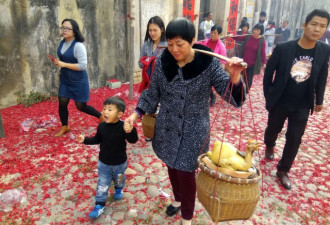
(242, 64)
(243, 35)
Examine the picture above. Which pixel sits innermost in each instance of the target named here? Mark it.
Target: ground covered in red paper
(57, 176)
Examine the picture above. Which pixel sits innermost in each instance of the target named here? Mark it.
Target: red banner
(188, 9)
(232, 18)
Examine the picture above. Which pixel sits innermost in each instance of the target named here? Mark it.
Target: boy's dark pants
(297, 120)
(184, 190)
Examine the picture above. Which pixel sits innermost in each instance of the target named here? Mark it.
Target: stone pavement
(57, 176)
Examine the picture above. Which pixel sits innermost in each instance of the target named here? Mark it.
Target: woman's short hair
(180, 27)
(75, 28)
(218, 28)
(159, 22)
(244, 24)
(259, 26)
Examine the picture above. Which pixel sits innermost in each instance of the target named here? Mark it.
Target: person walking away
(218, 47)
(73, 76)
(112, 161)
(182, 82)
(301, 71)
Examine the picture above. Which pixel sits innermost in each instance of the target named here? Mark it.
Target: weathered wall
(144, 10)
(220, 10)
(30, 31)
(295, 11)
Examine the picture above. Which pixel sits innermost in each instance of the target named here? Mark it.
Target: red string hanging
(225, 125)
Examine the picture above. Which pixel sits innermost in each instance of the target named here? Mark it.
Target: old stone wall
(144, 10)
(30, 31)
(295, 11)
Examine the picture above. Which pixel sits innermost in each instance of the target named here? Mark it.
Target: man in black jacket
(301, 71)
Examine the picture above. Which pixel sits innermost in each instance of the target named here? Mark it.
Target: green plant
(32, 98)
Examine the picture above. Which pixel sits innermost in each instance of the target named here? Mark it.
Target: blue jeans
(107, 174)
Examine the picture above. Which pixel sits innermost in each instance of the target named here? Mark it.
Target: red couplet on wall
(232, 18)
(188, 9)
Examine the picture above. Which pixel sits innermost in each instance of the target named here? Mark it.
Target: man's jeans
(107, 174)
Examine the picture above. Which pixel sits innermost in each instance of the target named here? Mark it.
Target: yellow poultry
(230, 158)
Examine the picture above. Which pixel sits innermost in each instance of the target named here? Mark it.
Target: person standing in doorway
(297, 88)
(73, 77)
(207, 24)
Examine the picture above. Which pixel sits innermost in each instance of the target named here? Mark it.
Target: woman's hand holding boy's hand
(127, 127)
(131, 120)
(81, 138)
(234, 69)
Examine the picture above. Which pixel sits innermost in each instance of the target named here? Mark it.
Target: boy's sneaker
(97, 211)
(118, 194)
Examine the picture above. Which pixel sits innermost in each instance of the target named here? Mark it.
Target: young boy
(112, 161)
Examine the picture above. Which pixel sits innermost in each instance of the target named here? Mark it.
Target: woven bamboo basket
(225, 197)
(148, 125)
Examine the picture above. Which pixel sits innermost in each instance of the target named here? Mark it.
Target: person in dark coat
(301, 71)
(182, 81)
(283, 32)
(73, 78)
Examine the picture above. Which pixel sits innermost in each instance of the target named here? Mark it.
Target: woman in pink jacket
(217, 46)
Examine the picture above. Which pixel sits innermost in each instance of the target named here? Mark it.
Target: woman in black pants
(74, 78)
